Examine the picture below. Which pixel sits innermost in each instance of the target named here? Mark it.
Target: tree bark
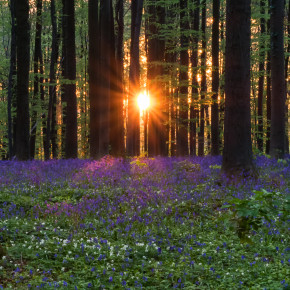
(260, 133)
(182, 132)
(105, 76)
(38, 80)
(117, 123)
(52, 81)
(237, 155)
(93, 77)
(156, 50)
(71, 144)
(133, 125)
(11, 80)
(194, 63)
(203, 88)
(215, 79)
(277, 138)
(23, 57)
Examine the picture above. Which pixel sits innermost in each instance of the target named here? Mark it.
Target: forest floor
(152, 223)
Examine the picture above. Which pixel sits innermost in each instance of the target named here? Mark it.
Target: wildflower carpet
(146, 223)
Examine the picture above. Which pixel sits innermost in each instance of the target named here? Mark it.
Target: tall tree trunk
(133, 127)
(11, 80)
(23, 56)
(52, 87)
(268, 73)
(63, 74)
(260, 133)
(156, 50)
(277, 138)
(286, 78)
(37, 62)
(93, 77)
(237, 156)
(105, 76)
(117, 126)
(203, 82)
(71, 141)
(194, 64)
(215, 79)
(116, 82)
(182, 132)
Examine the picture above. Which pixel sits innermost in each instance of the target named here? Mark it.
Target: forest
(144, 144)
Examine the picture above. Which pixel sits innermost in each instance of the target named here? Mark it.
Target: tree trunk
(194, 64)
(133, 125)
(182, 132)
(117, 126)
(268, 73)
(203, 88)
(215, 79)
(93, 77)
(105, 76)
(71, 144)
(237, 156)
(52, 82)
(260, 133)
(116, 82)
(11, 80)
(156, 50)
(37, 62)
(22, 102)
(277, 138)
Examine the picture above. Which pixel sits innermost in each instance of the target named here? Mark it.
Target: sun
(143, 101)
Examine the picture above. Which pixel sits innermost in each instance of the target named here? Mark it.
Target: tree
(50, 129)
(22, 96)
(38, 76)
(194, 64)
(106, 56)
(277, 138)
(11, 79)
(203, 87)
(93, 76)
(215, 79)
(117, 119)
(261, 78)
(182, 132)
(133, 125)
(237, 155)
(156, 52)
(71, 144)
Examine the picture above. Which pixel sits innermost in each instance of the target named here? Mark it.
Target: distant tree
(11, 79)
(215, 79)
(182, 132)
(237, 155)
(133, 125)
(22, 96)
(93, 11)
(277, 139)
(71, 144)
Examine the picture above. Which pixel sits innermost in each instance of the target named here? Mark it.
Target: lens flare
(143, 101)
